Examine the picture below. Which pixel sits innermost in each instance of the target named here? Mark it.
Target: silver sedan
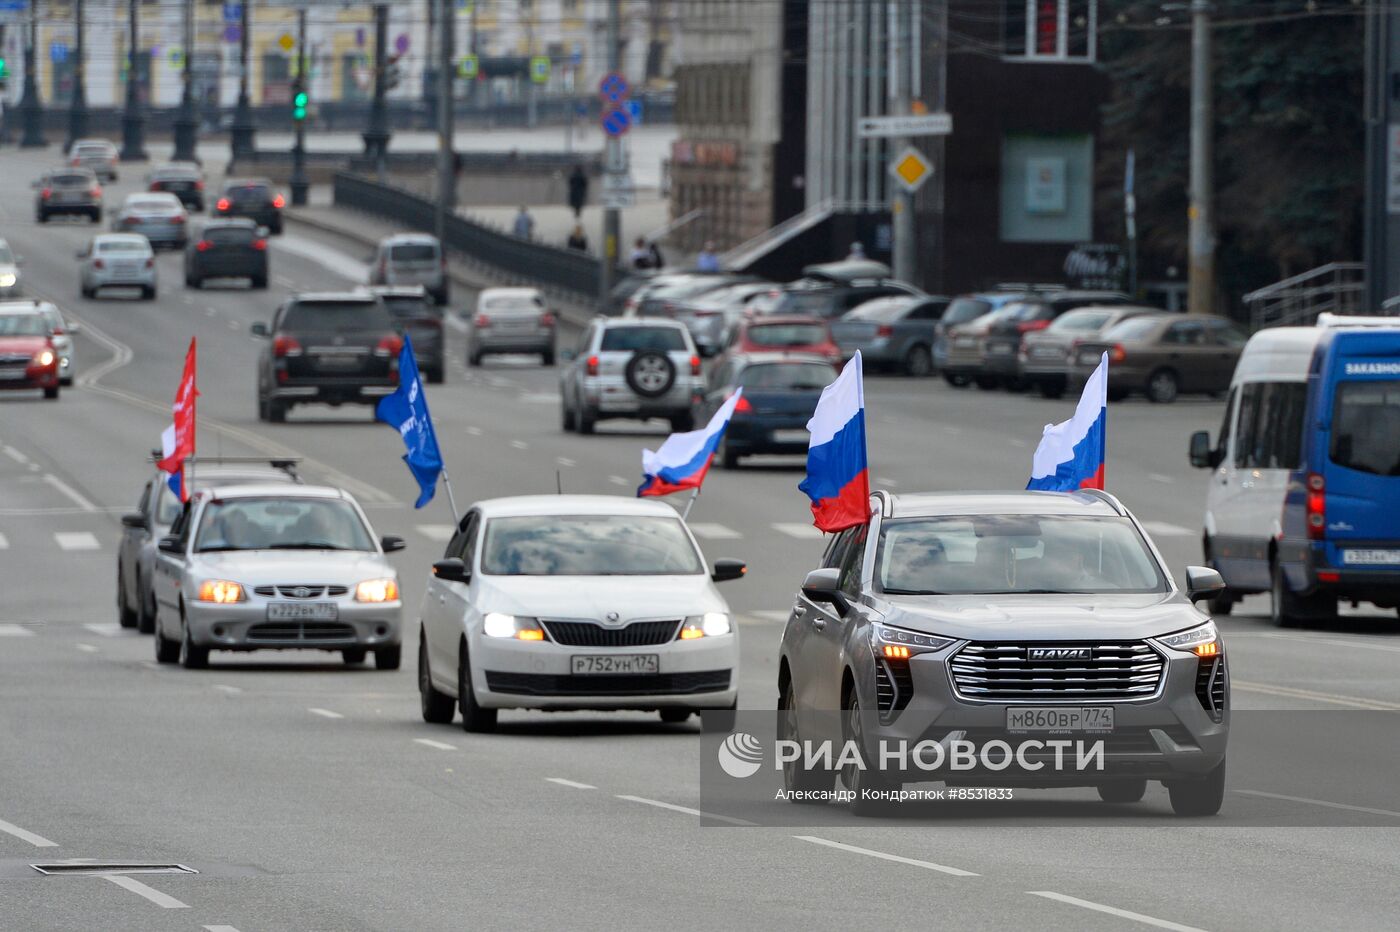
(261, 567)
(118, 259)
(159, 216)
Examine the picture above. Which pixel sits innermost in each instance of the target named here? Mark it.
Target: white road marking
(775, 614)
(1017, 442)
(619, 480)
(913, 862)
(86, 648)
(220, 929)
(520, 444)
(163, 900)
(4, 542)
(285, 282)
(73, 494)
(685, 809)
(1114, 911)
(108, 629)
(440, 745)
(15, 455)
(76, 540)
(1320, 802)
(1363, 643)
(885, 480)
(234, 325)
(575, 784)
(330, 259)
(1163, 529)
(800, 531)
(8, 630)
(474, 431)
(540, 398)
(1160, 477)
(211, 311)
(564, 461)
(38, 841)
(325, 713)
(706, 531)
(950, 429)
(1289, 692)
(229, 690)
(437, 532)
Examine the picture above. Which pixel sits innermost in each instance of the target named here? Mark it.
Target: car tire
(566, 418)
(1199, 797)
(1123, 791)
(474, 359)
(957, 381)
(474, 717)
(258, 283)
(650, 374)
(96, 216)
(277, 411)
(728, 456)
(547, 359)
(66, 381)
(918, 362)
(264, 408)
(987, 382)
(587, 420)
(680, 423)
(1051, 388)
(148, 294)
(51, 394)
(1288, 609)
(353, 656)
(438, 708)
(435, 375)
(145, 614)
(41, 217)
(191, 657)
(388, 658)
(1163, 386)
(440, 297)
(167, 650)
(674, 716)
(275, 228)
(860, 782)
(803, 787)
(126, 617)
(87, 292)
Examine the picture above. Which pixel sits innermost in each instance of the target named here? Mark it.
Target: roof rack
(1107, 498)
(287, 464)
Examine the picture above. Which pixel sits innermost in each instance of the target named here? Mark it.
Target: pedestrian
(578, 239)
(578, 190)
(641, 256)
(524, 223)
(857, 251)
(708, 260)
(658, 261)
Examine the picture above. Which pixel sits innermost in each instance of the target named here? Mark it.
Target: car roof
(27, 306)
(280, 490)
(339, 297)
(527, 505)
(847, 270)
(240, 475)
(216, 222)
(934, 504)
(69, 170)
(80, 143)
(405, 238)
(656, 322)
(510, 293)
(397, 291)
(766, 319)
(177, 167)
(1281, 353)
(246, 183)
(135, 238)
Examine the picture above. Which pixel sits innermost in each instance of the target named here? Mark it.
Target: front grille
(550, 684)
(307, 632)
(1120, 671)
(300, 591)
(592, 634)
(1210, 686)
(894, 686)
(11, 359)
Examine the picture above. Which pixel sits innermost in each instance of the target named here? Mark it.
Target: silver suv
(1030, 618)
(411, 259)
(631, 368)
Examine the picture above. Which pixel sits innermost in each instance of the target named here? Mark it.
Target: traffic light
(4, 73)
(299, 106)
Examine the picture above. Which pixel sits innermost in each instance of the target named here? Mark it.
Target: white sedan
(575, 602)
(115, 260)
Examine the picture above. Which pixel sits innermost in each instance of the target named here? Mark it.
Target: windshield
(786, 334)
(23, 325)
(73, 180)
(123, 245)
(282, 524)
(1366, 427)
(788, 376)
(508, 303)
(965, 309)
(5, 254)
(413, 252)
(804, 302)
(230, 236)
(883, 311)
(1080, 321)
(588, 545)
(407, 308)
(641, 339)
(993, 554)
(332, 315)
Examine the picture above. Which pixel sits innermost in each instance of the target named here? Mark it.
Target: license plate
(303, 611)
(797, 435)
(340, 361)
(1096, 719)
(998, 348)
(585, 664)
(1370, 557)
(8, 375)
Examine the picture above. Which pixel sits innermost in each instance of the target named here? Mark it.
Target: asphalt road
(309, 796)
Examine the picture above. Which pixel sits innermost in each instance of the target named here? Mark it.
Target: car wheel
(1163, 387)
(438, 708)
(650, 374)
(987, 382)
(797, 781)
(474, 717)
(547, 359)
(1199, 797)
(259, 282)
(191, 657)
(277, 411)
(587, 420)
(264, 408)
(353, 657)
(125, 616)
(680, 423)
(728, 456)
(86, 291)
(41, 217)
(1288, 609)
(97, 216)
(1117, 394)
(145, 613)
(1123, 791)
(167, 650)
(148, 293)
(388, 658)
(1051, 388)
(51, 394)
(440, 298)
(474, 359)
(917, 362)
(862, 782)
(566, 418)
(674, 716)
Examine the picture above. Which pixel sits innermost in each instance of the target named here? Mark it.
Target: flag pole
(685, 515)
(451, 500)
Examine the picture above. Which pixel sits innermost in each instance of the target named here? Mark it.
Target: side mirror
(823, 585)
(1202, 456)
(258, 329)
(726, 570)
(1202, 582)
(169, 545)
(453, 570)
(391, 543)
(568, 355)
(136, 521)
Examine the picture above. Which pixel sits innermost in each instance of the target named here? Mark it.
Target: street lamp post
(377, 135)
(1200, 282)
(241, 134)
(29, 104)
(134, 118)
(299, 184)
(77, 106)
(186, 123)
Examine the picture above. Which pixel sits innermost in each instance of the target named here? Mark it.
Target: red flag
(177, 440)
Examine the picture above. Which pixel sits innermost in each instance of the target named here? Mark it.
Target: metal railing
(741, 256)
(1336, 288)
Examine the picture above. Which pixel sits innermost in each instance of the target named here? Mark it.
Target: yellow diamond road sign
(286, 41)
(911, 169)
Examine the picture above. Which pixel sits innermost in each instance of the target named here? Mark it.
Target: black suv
(1002, 344)
(235, 248)
(833, 288)
(182, 179)
(329, 348)
(253, 198)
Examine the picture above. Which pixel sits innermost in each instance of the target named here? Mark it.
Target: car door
(170, 572)
(1187, 351)
(800, 638)
(446, 602)
(1226, 343)
(1247, 517)
(129, 551)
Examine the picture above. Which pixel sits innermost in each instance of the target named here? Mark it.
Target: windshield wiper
(222, 549)
(888, 591)
(307, 545)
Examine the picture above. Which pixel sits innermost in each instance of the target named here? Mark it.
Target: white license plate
(585, 664)
(1371, 557)
(303, 611)
(1067, 719)
(796, 435)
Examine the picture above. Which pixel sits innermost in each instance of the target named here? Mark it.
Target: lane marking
(220, 929)
(441, 533)
(706, 531)
(8, 630)
(1165, 529)
(163, 900)
(325, 713)
(474, 431)
(573, 783)
(108, 629)
(73, 494)
(4, 542)
(1017, 442)
(1363, 643)
(1289, 692)
(1114, 911)
(685, 809)
(15, 455)
(38, 841)
(885, 480)
(1160, 477)
(912, 862)
(619, 480)
(540, 398)
(86, 648)
(1320, 802)
(564, 461)
(800, 531)
(225, 688)
(520, 444)
(76, 540)
(950, 429)
(332, 260)
(771, 614)
(211, 311)
(440, 745)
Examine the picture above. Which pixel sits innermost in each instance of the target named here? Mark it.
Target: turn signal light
(285, 346)
(204, 245)
(389, 346)
(547, 319)
(884, 330)
(481, 320)
(377, 590)
(221, 591)
(529, 634)
(1117, 354)
(98, 264)
(1316, 506)
(46, 193)
(44, 358)
(260, 245)
(742, 406)
(1208, 649)
(690, 634)
(896, 652)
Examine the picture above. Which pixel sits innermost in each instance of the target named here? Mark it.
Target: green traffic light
(299, 105)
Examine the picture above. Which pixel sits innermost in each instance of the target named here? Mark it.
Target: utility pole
(186, 122)
(299, 184)
(901, 199)
(614, 157)
(77, 106)
(376, 137)
(1382, 205)
(447, 177)
(1200, 282)
(531, 113)
(430, 66)
(241, 133)
(133, 118)
(30, 106)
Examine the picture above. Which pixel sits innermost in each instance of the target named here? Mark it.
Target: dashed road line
(15, 455)
(1161, 477)
(86, 648)
(436, 532)
(912, 862)
(1320, 802)
(108, 629)
(573, 783)
(886, 480)
(800, 531)
(227, 689)
(564, 461)
(519, 445)
(1289, 692)
(220, 929)
(73, 494)
(539, 398)
(439, 745)
(325, 713)
(76, 540)
(1114, 911)
(684, 809)
(163, 900)
(38, 841)
(1164, 529)
(707, 531)
(619, 480)
(9, 630)
(474, 431)
(4, 542)
(774, 614)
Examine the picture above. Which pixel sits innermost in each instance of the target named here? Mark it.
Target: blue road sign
(58, 52)
(613, 88)
(634, 110)
(13, 6)
(616, 122)
(233, 12)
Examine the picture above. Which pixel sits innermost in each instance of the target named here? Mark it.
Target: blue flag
(406, 410)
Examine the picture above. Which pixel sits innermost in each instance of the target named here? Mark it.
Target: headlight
(7, 279)
(500, 625)
(43, 358)
(900, 643)
(1202, 640)
(708, 625)
(221, 591)
(377, 590)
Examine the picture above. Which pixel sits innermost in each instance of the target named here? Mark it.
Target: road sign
(467, 66)
(233, 12)
(634, 110)
(58, 52)
(616, 122)
(618, 190)
(401, 43)
(286, 41)
(928, 124)
(911, 169)
(11, 11)
(232, 33)
(539, 69)
(613, 88)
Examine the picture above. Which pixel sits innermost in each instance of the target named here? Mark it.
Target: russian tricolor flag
(838, 476)
(1071, 453)
(177, 441)
(684, 459)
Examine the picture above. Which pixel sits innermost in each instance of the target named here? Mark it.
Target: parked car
(411, 259)
(964, 309)
(1305, 481)
(60, 332)
(831, 289)
(115, 260)
(780, 397)
(28, 359)
(231, 248)
(421, 320)
(712, 315)
(97, 155)
(330, 348)
(1002, 344)
(892, 333)
(808, 335)
(185, 180)
(68, 191)
(10, 284)
(628, 368)
(1047, 356)
(161, 218)
(1163, 355)
(254, 198)
(963, 358)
